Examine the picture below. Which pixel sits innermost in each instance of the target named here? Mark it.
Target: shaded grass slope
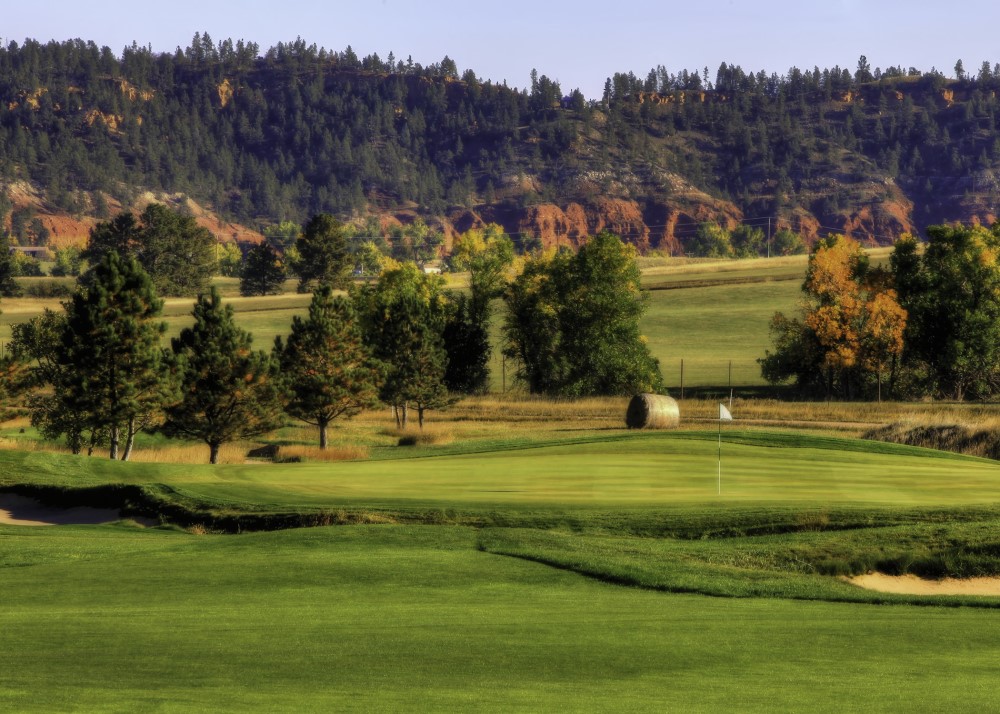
(796, 565)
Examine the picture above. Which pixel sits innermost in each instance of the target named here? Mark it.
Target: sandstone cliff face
(879, 224)
(646, 225)
(67, 230)
(879, 227)
(664, 224)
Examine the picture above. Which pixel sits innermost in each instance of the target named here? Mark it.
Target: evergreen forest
(263, 136)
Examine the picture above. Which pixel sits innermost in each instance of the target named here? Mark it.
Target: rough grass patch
(979, 440)
(286, 454)
(429, 436)
(30, 445)
(189, 454)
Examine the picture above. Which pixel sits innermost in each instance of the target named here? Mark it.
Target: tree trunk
(323, 423)
(129, 439)
(395, 414)
(213, 457)
(420, 417)
(879, 377)
(114, 442)
(406, 414)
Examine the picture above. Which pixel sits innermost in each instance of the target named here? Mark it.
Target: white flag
(724, 414)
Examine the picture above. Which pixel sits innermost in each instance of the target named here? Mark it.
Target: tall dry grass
(514, 407)
(314, 453)
(435, 435)
(234, 453)
(518, 416)
(7, 444)
(984, 442)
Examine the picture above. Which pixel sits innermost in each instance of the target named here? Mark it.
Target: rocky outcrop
(646, 225)
(877, 224)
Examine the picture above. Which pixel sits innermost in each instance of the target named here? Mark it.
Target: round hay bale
(652, 411)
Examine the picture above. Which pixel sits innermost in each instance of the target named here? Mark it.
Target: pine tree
(467, 343)
(178, 254)
(228, 390)
(421, 361)
(326, 367)
(114, 368)
(262, 272)
(36, 352)
(427, 389)
(324, 255)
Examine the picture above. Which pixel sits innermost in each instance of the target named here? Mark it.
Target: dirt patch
(913, 585)
(21, 511)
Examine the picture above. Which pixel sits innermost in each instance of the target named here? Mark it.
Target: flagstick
(720, 454)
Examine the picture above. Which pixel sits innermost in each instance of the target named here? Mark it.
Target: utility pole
(730, 385)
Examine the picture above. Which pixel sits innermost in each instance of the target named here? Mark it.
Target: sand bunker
(21, 511)
(912, 585)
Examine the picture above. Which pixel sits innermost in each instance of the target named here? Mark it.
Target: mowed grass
(534, 613)
(616, 470)
(707, 327)
(584, 585)
(264, 317)
(416, 618)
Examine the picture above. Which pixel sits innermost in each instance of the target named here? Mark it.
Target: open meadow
(525, 554)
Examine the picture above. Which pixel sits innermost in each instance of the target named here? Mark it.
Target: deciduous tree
(710, 241)
(487, 255)
(34, 367)
(851, 327)
(229, 258)
(8, 286)
(417, 242)
(403, 317)
(573, 323)
(952, 293)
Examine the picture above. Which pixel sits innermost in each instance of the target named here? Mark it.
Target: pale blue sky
(577, 43)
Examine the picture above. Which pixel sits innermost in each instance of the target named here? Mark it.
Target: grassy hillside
(704, 312)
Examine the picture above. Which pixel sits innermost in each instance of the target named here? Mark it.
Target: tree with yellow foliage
(852, 326)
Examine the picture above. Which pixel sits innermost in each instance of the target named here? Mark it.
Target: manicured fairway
(630, 470)
(394, 618)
